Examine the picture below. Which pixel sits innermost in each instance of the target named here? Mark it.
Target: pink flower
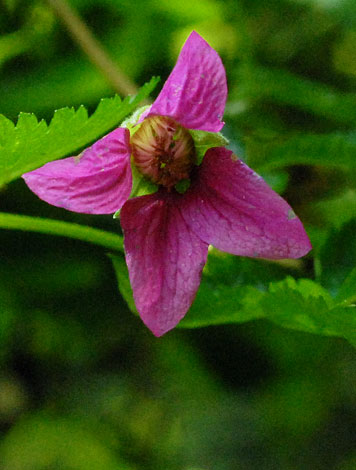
(167, 233)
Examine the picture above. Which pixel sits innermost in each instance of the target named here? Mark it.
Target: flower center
(163, 151)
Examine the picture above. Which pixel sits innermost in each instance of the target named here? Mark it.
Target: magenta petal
(164, 257)
(98, 181)
(232, 208)
(195, 92)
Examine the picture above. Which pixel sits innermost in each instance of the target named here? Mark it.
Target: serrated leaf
(6, 126)
(234, 290)
(305, 306)
(306, 287)
(230, 290)
(31, 144)
(218, 304)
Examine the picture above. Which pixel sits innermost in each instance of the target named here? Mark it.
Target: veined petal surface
(98, 181)
(232, 208)
(164, 257)
(196, 90)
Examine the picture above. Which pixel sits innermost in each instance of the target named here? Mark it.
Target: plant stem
(92, 47)
(109, 240)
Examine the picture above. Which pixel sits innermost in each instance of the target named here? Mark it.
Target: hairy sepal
(131, 123)
(203, 141)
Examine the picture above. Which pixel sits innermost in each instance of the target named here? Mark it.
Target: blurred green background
(83, 384)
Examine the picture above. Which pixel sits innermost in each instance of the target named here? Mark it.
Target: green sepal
(182, 186)
(141, 186)
(131, 122)
(205, 140)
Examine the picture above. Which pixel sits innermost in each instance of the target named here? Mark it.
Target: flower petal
(232, 208)
(195, 92)
(164, 257)
(98, 181)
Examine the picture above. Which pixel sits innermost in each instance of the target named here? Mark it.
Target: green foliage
(337, 210)
(205, 140)
(231, 290)
(328, 150)
(64, 443)
(30, 143)
(282, 87)
(306, 306)
(140, 185)
(337, 257)
(124, 281)
(83, 384)
(235, 290)
(344, 54)
(277, 179)
(38, 24)
(347, 291)
(8, 311)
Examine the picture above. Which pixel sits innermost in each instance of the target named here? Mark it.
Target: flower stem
(108, 240)
(83, 36)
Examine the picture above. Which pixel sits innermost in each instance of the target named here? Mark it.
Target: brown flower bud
(163, 151)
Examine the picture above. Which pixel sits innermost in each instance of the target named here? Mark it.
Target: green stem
(103, 238)
(83, 36)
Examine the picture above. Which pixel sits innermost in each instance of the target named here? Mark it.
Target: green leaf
(337, 257)
(31, 144)
(230, 290)
(282, 87)
(306, 287)
(306, 306)
(205, 140)
(217, 304)
(277, 180)
(122, 275)
(328, 150)
(347, 292)
(337, 210)
(344, 54)
(65, 443)
(235, 290)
